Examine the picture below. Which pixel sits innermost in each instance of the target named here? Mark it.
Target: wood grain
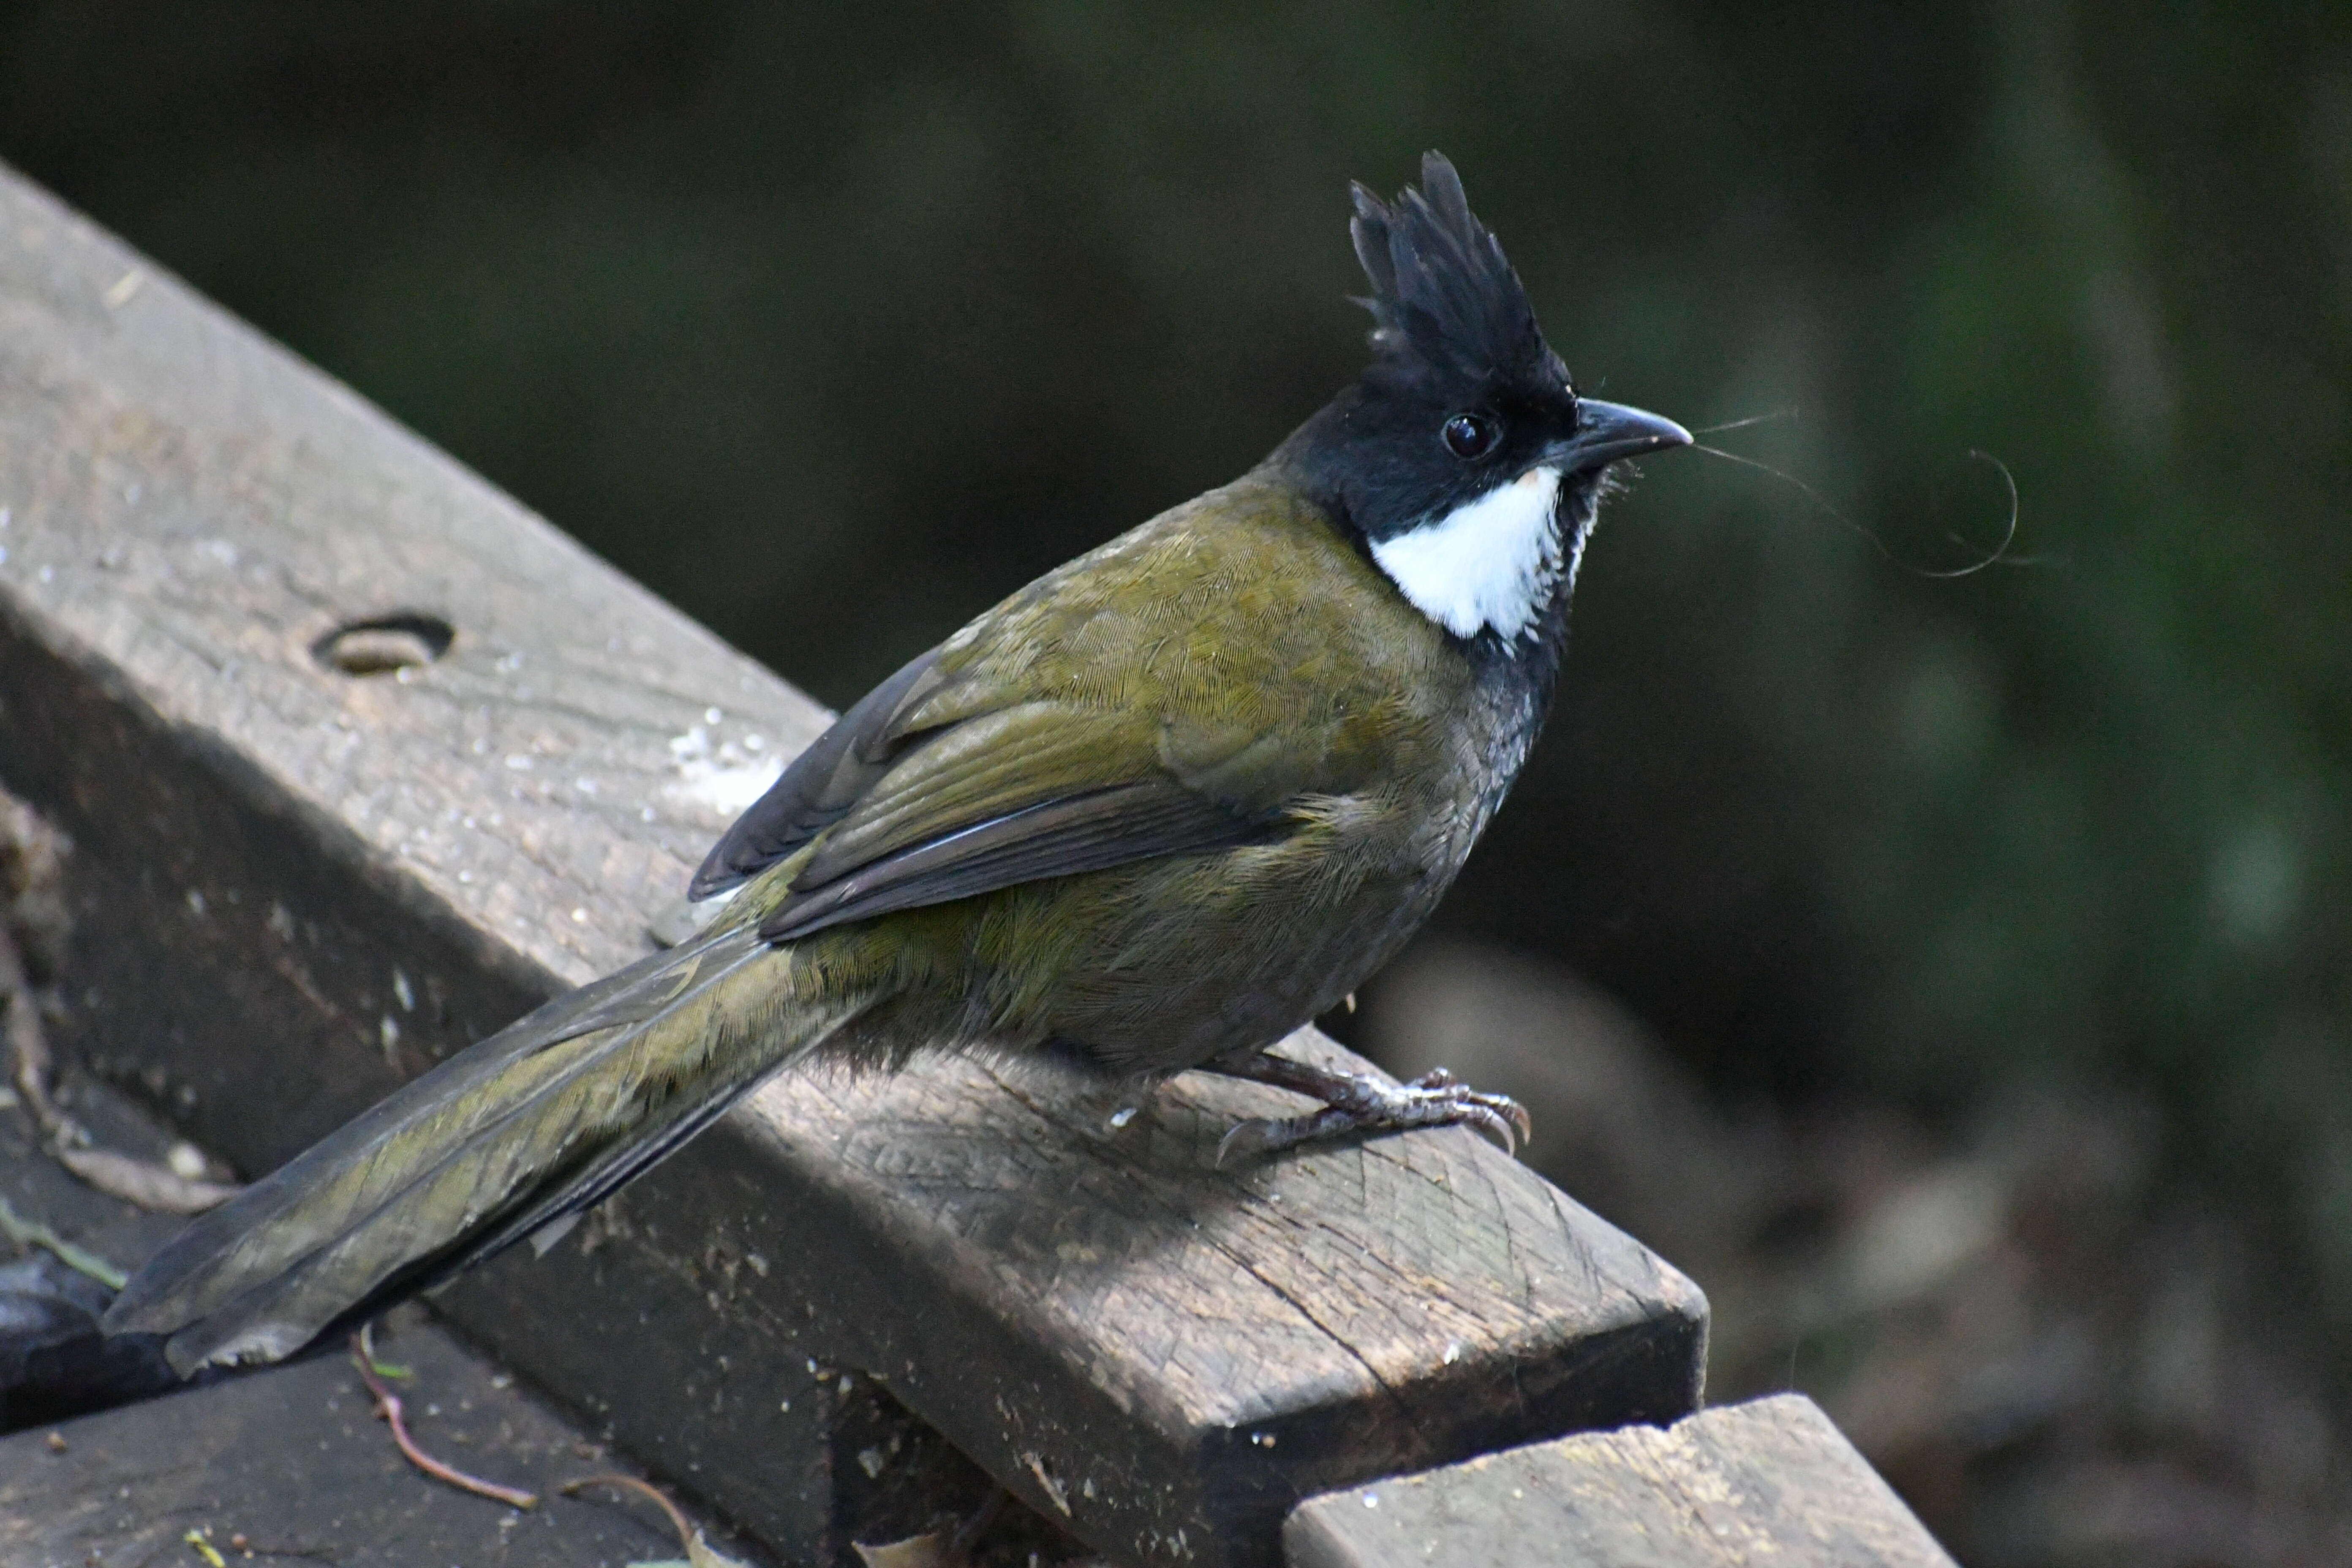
(298, 886)
(294, 1461)
(1767, 1482)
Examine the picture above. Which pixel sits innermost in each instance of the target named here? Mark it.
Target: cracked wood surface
(1767, 1482)
(296, 887)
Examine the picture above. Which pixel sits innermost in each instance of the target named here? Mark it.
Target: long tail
(510, 1136)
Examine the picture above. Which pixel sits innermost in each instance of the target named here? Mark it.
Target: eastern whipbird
(1151, 813)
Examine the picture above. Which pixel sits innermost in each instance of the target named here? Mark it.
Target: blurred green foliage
(833, 323)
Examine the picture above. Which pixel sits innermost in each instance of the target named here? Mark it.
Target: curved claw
(1252, 1137)
(1516, 1115)
(1498, 1114)
(1272, 1134)
(1491, 1122)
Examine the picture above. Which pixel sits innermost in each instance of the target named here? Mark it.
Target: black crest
(1445, 301)
(1454, 338)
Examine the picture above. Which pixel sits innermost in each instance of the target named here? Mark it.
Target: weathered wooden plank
(307, 1471)
(293, 1462)
(289, 1458)
(1770, 1481)
(296, 885)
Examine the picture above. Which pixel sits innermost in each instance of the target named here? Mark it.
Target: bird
(1150, 815)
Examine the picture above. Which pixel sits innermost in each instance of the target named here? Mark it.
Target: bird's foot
(1357, 1102)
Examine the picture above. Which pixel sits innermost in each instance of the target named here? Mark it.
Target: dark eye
(1469, 435)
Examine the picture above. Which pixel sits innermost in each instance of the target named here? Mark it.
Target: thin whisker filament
(1751, 419)
(1999, 555)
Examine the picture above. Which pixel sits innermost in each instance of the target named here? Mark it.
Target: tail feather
(540, 1120)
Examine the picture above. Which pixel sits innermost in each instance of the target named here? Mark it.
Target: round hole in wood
(383, 644)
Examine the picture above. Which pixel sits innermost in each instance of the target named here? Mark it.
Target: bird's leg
(1359, 1102)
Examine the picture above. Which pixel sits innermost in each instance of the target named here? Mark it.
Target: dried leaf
(154, 1187)
(700, 1554)
(935, 1549)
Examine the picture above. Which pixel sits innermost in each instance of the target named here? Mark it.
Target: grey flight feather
(820, 786)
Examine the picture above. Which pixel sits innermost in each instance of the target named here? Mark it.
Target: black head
(1462, 398)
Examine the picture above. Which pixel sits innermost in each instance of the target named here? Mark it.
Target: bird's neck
(1524, 667)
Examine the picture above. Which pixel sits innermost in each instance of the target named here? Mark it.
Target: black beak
(1606, 432)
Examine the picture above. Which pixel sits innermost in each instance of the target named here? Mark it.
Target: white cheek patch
(1493, 561)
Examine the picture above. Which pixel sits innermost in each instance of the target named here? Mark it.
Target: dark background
(833, 324)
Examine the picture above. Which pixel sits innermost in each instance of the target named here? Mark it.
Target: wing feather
(1008, 755)
(821, 785)
(1061, 838)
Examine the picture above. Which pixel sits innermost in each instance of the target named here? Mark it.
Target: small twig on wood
(660, 1498)
(25, 1232)
(700, 1553)
(256, 1549)
(381, 1367)
(30, 1050)
(387, 1405)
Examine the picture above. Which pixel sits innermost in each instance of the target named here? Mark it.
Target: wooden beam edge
(1770, 1481)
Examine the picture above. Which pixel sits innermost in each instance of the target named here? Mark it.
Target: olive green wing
(1130, 706)
(1037, 791)
(993, 663)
